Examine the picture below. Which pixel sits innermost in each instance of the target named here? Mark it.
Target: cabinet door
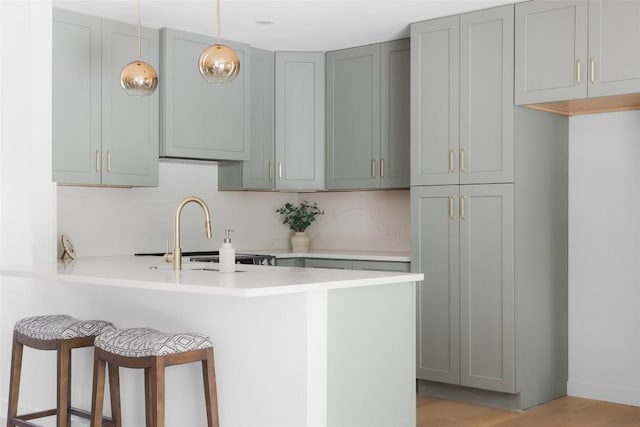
(76, 98)
(130, 124)
(394, 114)
(353, 118)
(551, 51)
(614, 37)
(202, 120)
(435, 62)
(487, 325)
(257, 173)
(486, 96)
(434, 252)
(300, 124)
(337, 264)
(403, 267)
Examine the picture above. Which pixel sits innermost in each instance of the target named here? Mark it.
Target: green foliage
(299, 218)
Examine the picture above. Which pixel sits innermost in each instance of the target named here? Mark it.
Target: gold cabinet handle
(108, 161)
(373, 168)
(592, 70)
(270, 170)
(452, 153)
(279, 170)
(97, 161)
(381, 168)
(462, 153)
(463, 215)
(452, 214)
(579, 72)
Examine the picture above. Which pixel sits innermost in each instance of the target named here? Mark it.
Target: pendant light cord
(218, 19)
(139, 33)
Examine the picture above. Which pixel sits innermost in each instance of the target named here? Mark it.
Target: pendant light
(219, 63)
(138, 78)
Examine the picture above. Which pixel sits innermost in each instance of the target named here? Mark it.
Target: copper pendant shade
(218, 63)
(139, 78)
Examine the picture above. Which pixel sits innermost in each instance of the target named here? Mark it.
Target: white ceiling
(298, 25)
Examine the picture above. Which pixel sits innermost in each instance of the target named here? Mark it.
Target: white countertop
(248, 280)
(335, 254)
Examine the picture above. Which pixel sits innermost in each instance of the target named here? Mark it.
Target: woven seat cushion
(60, 327)
(144, 342)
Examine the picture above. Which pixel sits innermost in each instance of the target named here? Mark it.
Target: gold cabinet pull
(452, 152)
(270, 170)
(462, 153)
(452, 215)
(579, 72)
(97, 161)
(592, 70)
(279, 170)
(373, 168)
(108, 161)
(463, 215)
(381, 168)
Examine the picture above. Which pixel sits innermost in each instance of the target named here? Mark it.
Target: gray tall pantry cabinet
(488, 217)
(101, 136)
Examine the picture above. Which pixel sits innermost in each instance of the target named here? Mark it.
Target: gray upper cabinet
(368, 116)
(299, 121)
(614, 37)
(486, 151)
(202, 120)
(435, 101)
(576, 49)
(257, 173)
(461, 107)
(551, 51)
(101, 136)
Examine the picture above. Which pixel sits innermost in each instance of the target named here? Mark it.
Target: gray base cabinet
(101, 136)
(368, 116)
(202, 120)
(345, 264)
(576, 49)
(462, 102)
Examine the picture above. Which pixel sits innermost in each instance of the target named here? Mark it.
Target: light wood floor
(564, 412)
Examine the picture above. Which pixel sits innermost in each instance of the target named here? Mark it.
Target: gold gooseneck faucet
(177, 251)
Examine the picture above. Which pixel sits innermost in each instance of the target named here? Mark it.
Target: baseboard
(624, 395)
(496, 399)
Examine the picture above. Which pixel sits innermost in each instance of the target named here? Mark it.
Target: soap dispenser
(227, 254)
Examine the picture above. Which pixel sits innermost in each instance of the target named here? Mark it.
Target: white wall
(604, 257)
(115, 221)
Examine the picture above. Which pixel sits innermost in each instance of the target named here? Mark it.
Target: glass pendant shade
(138, 78)
(219, 64)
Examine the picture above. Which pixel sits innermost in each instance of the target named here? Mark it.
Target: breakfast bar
(293, 346)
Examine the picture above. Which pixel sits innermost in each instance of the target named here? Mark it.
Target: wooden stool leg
(64, 384)
(210, 394)
(147, 398)
(114, 387)
(157, 392)
(14, 381)
(97, 396)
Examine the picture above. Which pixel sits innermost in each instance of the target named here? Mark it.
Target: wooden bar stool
(151, 350)
(57, 332)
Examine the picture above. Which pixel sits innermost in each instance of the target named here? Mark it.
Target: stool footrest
(22, 420)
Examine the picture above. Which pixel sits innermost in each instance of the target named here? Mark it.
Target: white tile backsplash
(120, 221)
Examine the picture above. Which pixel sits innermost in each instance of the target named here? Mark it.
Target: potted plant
(299, 218)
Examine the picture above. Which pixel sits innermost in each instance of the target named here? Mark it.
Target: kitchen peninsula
(293, 346)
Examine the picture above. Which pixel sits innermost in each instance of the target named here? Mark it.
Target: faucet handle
(168, 256)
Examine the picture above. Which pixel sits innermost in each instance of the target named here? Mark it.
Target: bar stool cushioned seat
(60, 327)
(61, 333)
(151, 350)
(144, 342)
